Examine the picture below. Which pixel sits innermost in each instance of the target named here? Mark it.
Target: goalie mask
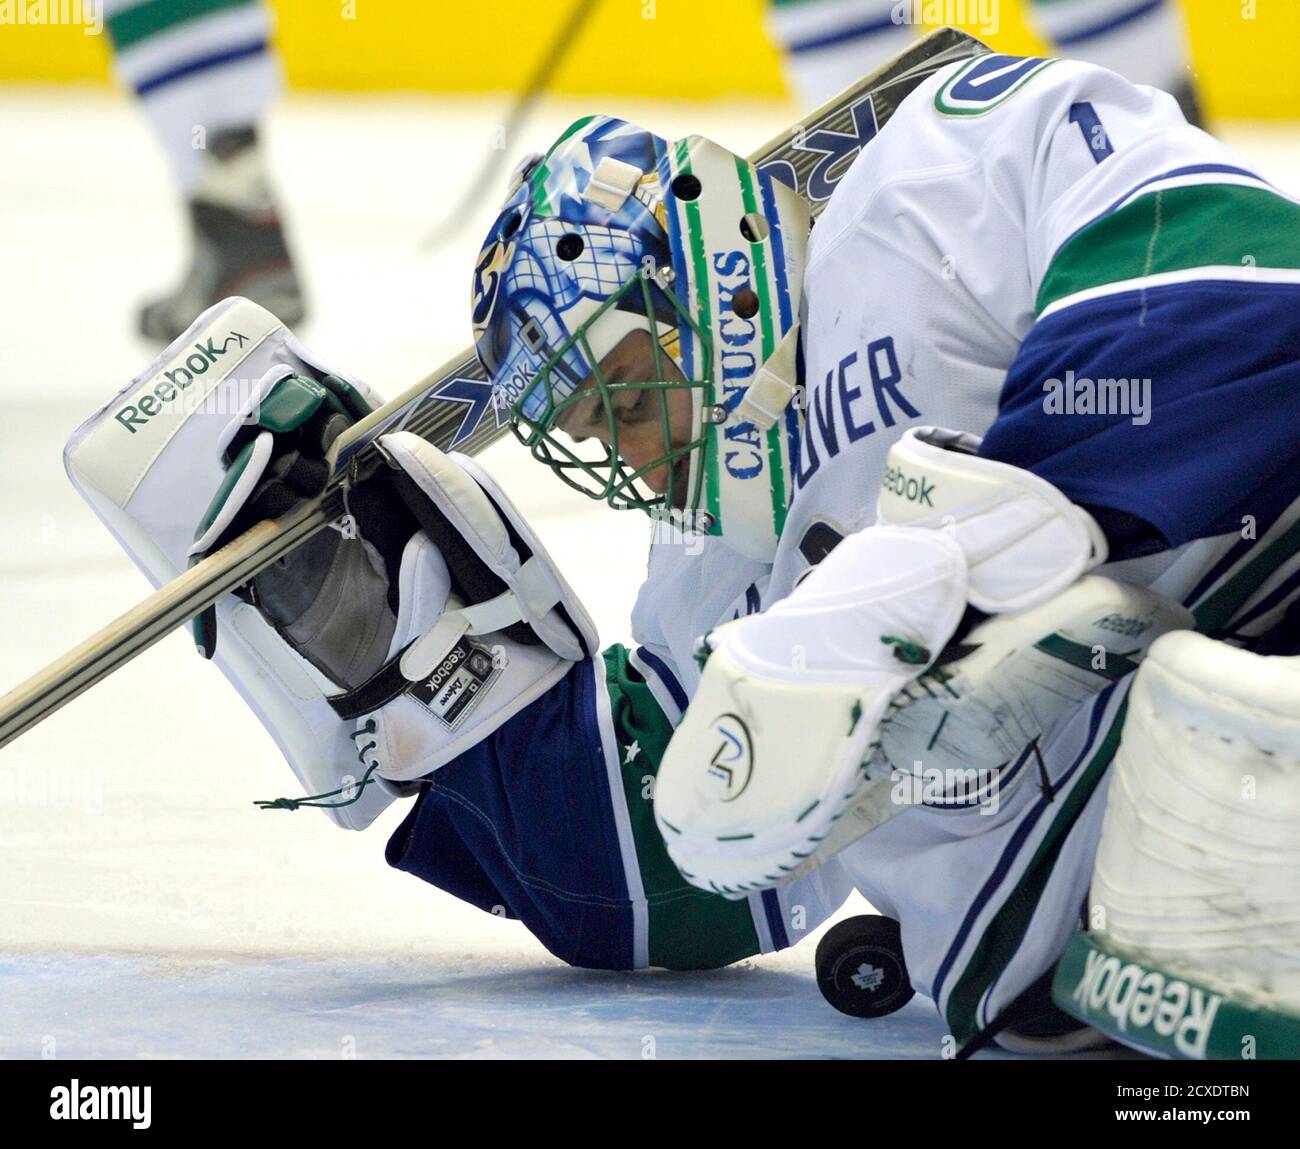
(636, 306)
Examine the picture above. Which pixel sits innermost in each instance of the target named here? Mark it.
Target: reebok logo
(1141, 999)
(1123, 624)
(457, 683)
(176, 381)
(918, 489)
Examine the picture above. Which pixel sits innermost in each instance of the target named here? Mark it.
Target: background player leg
(830, 43)
(1143, 40)
(205, 74)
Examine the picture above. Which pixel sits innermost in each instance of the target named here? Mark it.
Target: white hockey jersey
(966, 225)
(921, 283)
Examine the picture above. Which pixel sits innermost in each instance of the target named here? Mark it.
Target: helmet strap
(775, 385)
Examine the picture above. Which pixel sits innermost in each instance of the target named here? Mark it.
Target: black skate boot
(239, 245)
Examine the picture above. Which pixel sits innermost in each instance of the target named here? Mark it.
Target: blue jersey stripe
(666, 676)
(1205, 360)
(1105, 27)
(775, 920)
(200, 64)
(862, 30)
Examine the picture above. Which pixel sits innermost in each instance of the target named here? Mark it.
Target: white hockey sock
(198, 69)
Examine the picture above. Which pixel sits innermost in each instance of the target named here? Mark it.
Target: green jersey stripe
(1217, 609)
(766, 310)
(688, 929)
(144, 21)
(1175, 229)
(1160, 234)
(1114, 667)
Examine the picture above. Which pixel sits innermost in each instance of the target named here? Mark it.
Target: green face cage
(604, 474)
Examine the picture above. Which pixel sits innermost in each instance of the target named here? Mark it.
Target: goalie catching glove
(387, 646)
(827, 714)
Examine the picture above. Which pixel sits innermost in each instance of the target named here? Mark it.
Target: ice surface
(458, 1000)
(147, 909)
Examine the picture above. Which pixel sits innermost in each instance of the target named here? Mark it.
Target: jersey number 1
(1094, 133)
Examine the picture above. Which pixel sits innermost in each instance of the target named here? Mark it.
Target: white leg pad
(1194, 948)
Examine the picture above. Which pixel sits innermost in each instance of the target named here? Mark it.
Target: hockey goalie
(973, 583)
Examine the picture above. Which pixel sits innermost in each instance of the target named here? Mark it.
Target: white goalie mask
(619, 234)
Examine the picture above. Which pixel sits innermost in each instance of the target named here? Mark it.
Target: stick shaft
(169, 607)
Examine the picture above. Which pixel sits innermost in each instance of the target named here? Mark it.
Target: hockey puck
(860, 967)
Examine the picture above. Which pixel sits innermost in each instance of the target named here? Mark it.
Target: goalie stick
(452, 407)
